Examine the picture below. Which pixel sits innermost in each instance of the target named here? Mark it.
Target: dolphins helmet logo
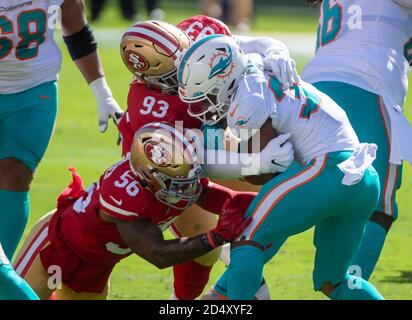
(221, 64)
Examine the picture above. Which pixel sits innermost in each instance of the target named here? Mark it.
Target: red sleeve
(126, 133)
(120, 194)
(215, 197)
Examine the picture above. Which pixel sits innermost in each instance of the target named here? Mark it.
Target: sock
(370, 249)
(219, 290)
(14, 212)
(244, 274)
(190, 278)
(12, 286)
(355, 288)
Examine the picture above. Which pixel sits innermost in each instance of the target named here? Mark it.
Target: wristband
(101, 89)
(205, 242)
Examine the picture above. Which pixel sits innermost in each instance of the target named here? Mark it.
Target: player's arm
(82, 47)
(146, 239)
(276, 57)
(227, 164)
(215, 198)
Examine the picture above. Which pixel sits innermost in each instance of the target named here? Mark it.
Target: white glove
(106, 104)
(277, 155)
(282, 67)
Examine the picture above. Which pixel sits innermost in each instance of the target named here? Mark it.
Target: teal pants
(366, 113)
(300, 198)
(368, 117)
(26, 123)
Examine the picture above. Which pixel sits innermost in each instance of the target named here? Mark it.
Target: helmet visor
(178, 193)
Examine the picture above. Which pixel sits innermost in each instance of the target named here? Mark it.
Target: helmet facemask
(167, 83)
(165, 160)
(208, 73)
(178, 193)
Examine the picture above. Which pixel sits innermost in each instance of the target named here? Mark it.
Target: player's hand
(277, 155)
(283, 68)
(109, 108)
(230, 226)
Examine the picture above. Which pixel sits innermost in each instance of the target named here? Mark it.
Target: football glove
(277, 155)
(230, 226)
(106, 105)
(283, 68)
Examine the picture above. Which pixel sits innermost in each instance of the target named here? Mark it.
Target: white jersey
(368, 44)
(29, 55)
(368, 49)
(316, 123)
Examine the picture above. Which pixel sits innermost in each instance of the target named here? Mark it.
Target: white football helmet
(208, 72)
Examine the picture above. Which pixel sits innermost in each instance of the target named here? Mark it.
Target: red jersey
(119, 194)
(145, 105)
(87, 248)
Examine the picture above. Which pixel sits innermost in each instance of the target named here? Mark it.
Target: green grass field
(266, 19)
(77, 142)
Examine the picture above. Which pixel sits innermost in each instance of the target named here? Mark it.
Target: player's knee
(14, 175)
(210, 258)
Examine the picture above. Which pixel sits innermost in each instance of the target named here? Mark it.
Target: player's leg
(288, 204)
(386, 211)
(28, 264)
(336, 242)
(96, 8)
(191, 277)
(368, 117)
(27, 121)
(128, 8)
(219, 290)
(12, 286)
(337, 239)
(65, 293)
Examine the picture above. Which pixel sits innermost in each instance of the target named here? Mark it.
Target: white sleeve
(261, 45)
(230, 165)
(218, 163)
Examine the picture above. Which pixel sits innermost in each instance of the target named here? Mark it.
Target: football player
(29, 63)
(332, 186)
(125, 212)
(149, 50)
(363, 51)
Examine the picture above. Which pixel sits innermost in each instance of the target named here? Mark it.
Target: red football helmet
(201, 26)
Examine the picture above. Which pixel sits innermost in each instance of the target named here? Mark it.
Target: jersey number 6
(330, 22)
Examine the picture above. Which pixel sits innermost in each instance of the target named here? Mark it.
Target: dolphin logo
(222, 65)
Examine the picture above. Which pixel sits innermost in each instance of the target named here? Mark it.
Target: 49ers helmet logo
(157, 154)
(137, 61)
